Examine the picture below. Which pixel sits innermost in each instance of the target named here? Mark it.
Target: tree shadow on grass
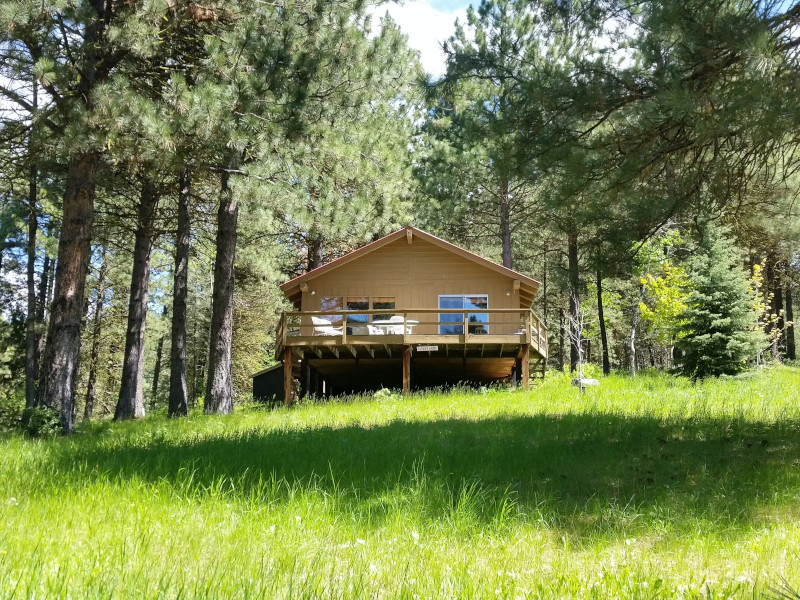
(583, 474)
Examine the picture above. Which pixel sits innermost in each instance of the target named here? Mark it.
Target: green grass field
(644, 488)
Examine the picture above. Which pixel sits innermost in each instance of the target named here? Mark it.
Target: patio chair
(324, 327)
(397, 327)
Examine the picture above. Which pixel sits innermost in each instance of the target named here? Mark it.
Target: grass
(643, 488)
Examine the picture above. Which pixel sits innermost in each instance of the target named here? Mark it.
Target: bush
(12, 406)
(41, 421)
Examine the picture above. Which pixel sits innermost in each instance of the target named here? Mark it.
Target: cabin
(409, 311)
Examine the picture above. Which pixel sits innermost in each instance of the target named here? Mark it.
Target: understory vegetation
(647, 487)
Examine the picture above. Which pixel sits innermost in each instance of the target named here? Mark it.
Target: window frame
(467, 311)
(343, 317)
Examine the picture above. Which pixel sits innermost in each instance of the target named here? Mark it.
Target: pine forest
(166, 164)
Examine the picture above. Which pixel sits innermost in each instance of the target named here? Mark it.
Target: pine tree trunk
(602, 322)
(49, 294)
(130, 404)
(31, 341)
(62, 349)
(505, 225)
(43, 289)
(42, 304)
(790, 347)
(219, 389)
(314, 251)
(574, 302)
(31, 338)
(97, 325)
(178, 392)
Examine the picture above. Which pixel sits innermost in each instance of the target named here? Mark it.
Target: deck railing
(412, 326)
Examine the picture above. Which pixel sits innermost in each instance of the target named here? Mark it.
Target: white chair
(397, 325)
(324, 327)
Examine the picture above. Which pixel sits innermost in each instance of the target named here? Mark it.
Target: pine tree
(720, 324)
(470, 163)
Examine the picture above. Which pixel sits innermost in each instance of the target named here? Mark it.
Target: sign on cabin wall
(427, 348)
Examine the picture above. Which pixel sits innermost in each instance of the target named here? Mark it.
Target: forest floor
(642, 488)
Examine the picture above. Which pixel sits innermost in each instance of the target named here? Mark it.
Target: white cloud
(426, 27)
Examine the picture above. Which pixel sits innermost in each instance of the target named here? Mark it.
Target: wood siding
(415, 275)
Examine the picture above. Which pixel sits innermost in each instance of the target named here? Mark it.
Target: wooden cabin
(409, 310)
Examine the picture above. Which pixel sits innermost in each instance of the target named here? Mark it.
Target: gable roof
(291, 287)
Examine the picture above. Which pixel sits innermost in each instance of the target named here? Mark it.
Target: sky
(428, 23)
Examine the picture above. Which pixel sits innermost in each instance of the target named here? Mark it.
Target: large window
(453, 323)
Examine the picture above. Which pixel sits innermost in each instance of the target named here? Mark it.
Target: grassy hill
(647, 487)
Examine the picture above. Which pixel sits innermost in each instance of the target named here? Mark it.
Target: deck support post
(406, 370)
(526, 367)
(287, 376)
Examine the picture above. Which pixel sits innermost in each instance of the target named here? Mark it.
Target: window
(453, 323)
(329, 304)
(357, 303)
(382, 303)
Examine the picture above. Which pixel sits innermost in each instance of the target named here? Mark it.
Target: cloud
(426, 27)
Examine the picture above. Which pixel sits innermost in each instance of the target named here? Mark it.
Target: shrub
(11, 407)
(41, 421)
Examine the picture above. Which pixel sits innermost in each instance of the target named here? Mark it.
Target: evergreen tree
(471, 166)
(347, 180)
(719, 328)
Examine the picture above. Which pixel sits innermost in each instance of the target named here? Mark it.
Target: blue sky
(427, 23)
(449, 5)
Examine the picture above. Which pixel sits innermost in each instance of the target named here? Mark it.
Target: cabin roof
(292, 287)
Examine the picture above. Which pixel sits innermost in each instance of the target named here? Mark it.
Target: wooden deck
(365, 348)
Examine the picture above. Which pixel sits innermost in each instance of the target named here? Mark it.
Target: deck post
(528, 324)
(287, 377)
(526, 367)
(406, 370)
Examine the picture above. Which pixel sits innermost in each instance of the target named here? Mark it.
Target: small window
(383, 303)
(453, 323)
(331, 304)
(357, 303)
